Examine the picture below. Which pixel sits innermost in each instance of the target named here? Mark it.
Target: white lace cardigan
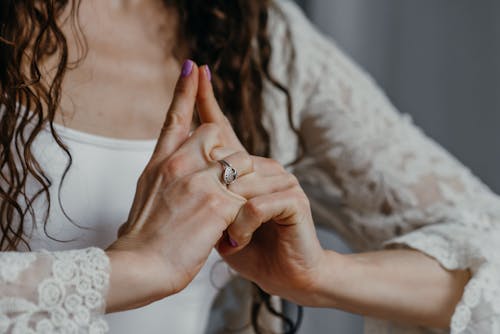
(371, 176)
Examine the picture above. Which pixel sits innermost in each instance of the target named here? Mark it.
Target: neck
(120, 24)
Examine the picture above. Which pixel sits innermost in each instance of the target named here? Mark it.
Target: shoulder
(289, 29)
(310, 62)
(287, 12)
(294, 43)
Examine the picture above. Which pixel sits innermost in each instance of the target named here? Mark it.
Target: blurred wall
(438, 61)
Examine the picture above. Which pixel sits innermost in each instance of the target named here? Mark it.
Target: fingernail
(187, 68)
(209, 73)
(233, 243)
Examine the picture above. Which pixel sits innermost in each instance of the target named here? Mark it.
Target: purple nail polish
(209, 73)
(187, 68)
(233, 243)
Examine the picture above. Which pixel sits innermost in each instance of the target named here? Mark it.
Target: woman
(289, 94)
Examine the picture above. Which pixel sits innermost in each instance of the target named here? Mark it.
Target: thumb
(179, 117)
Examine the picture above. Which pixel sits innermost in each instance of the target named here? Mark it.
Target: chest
(122, 85)
(112, 102)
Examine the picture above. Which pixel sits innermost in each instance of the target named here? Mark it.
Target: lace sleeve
(375, 178)
(53, 292)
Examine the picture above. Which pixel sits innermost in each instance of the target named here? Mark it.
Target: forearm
(400, 285)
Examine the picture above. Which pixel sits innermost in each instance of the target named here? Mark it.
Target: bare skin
(162, 245)
(125, 83)
(121, 90)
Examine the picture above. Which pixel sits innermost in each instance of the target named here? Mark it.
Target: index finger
(179, 117)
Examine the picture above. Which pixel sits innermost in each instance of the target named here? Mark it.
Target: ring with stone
(229, 174)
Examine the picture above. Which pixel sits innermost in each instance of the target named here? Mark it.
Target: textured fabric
(370, 174)
(373, 177)
(57, 292)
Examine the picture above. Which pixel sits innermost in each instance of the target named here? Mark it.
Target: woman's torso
(121, 89)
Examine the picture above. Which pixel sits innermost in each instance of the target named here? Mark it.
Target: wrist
(136, 280)
(328, 280)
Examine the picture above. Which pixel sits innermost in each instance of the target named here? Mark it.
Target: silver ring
(229, 175)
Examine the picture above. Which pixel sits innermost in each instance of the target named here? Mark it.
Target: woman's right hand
(180, 209)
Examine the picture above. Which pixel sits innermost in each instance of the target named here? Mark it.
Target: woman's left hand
(273, 241)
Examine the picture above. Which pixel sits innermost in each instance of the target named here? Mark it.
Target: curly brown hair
(229, 36)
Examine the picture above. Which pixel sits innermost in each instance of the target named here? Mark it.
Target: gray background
(438, 61)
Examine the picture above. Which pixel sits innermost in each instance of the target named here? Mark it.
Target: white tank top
(97, 194)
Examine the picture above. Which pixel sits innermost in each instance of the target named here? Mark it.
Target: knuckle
(292, 179)
(244, 160)
(296, 193)
(174, 167)
(209, 129)
(241, 237)
(174, 118)
(247, 161)
(305, 202)
(275, 165)
(306, 199)
(300, 197)
(213, 201)
(253, 209)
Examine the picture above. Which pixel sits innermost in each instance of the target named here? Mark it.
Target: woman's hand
(180, 210)
(274, 244)
(272, 241)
